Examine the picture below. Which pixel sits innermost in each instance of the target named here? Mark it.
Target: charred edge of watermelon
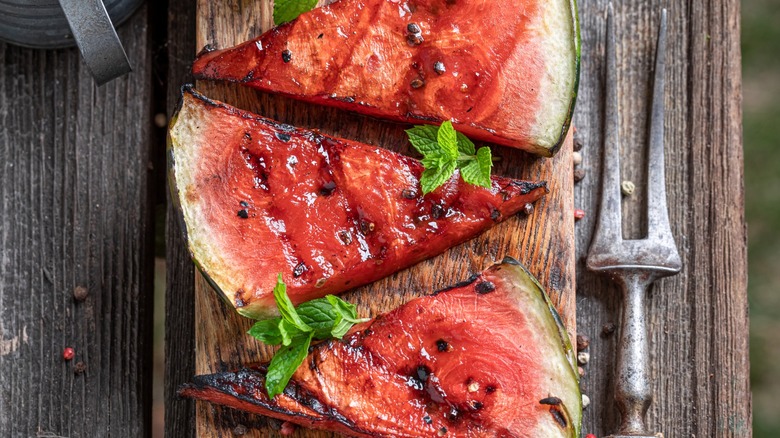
(575, 17)
(203, 383)
(216, 382)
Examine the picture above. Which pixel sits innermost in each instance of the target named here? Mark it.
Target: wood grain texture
(544, 241)
(699, 318)
(180, 281)
(75, 210)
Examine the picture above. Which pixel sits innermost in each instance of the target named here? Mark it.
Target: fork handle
(632, 392)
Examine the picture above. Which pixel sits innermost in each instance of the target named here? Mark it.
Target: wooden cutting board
(543, 241)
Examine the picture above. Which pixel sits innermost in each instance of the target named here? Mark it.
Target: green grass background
(761, 74)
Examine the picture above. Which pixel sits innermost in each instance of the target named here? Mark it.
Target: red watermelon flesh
(260, 198)
(502, 71)
(487, 358)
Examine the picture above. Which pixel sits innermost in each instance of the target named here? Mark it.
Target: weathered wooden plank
(75, 211)
(699, 318)
(180, 281)
(543, 241)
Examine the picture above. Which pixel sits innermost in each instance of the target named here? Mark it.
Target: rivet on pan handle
(97, 40)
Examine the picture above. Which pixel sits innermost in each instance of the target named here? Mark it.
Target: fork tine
(609, 227)
(657, 213)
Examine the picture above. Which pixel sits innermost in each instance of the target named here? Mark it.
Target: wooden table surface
(81, 174)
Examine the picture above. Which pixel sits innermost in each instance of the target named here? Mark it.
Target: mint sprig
(323, 318)
(289, 10)
(444, 149)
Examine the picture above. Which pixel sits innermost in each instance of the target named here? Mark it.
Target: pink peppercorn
(590, 435)
(68, 353)
(579, 214)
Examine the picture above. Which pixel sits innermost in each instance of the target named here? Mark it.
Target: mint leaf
(477, 171)
(284, 364)
(286, 308)
(289, 10)
(448, 140)
(341, 327)
(346, 310)
(424, 139)
(323, 318)
(320, 316)
(267, 331)
(465, 146)
(288, 331)
(433, 178)
(444, 149)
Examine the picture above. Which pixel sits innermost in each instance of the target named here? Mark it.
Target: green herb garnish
(323, 318)
(445, 150)
(289, 10)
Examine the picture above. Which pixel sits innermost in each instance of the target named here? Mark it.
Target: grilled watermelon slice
(261, 198)
(486, 358)
(502, 71)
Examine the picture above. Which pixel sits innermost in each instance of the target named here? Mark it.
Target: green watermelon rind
(575, 22)
(528, 283)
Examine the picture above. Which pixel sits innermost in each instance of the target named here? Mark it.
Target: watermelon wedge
(486, 358)
(502, 71)
(260, 198)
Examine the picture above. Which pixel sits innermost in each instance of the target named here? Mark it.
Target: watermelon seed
(485, 287)
(282, 136)
(413, 28)
(345, 237)
(439, 68)
(558, 416)
(319, 37)
(427, 419)
(417, 83)
(299, 269)
(495, 214)
(320, 283)
(244, 204)
(528, 209)
(490, 389)
(327, 188)
(472, 386)
(366, 227)
(552, 401)
(443, 345)
(243, 214)
(442, 431)
(414, 39)
(423, 372)
(437, 211)
(475, 405)
(408, 194)
(286, 56)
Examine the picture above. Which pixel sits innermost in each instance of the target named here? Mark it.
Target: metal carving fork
(634, 264)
